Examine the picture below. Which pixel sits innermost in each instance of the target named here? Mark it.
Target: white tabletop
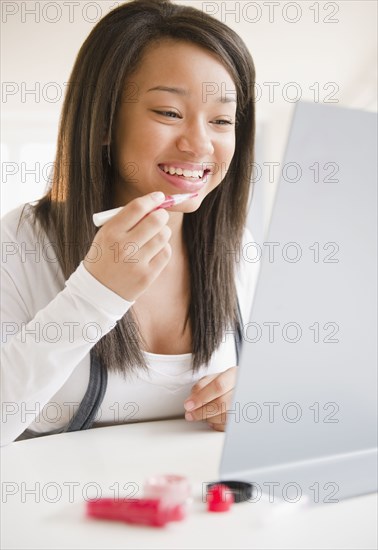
(45, 483)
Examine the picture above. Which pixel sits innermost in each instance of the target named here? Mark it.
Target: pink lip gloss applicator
(170, 200)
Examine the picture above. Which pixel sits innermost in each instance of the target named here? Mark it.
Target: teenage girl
(136, 320)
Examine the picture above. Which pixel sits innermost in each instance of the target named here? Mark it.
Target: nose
(195, 139)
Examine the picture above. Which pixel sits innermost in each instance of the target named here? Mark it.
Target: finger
(161, 259)
(218, 419)
(156, 244)
(135, 210)
(220, 385)
(202, 382)
(217, 408)
(144, 231)
(217, 427)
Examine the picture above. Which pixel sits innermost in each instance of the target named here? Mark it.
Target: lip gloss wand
(170, 200)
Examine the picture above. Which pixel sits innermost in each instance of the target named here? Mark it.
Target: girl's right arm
(41, 350)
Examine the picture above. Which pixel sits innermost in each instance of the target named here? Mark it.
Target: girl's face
(177, 113)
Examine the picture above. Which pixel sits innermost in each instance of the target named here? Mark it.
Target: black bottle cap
(242, 490)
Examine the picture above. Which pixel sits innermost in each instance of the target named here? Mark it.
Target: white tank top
(161, 391)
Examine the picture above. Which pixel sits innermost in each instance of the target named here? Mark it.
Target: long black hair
(83, 175)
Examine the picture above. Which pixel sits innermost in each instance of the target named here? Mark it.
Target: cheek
(131, 155)
(143, 143)
(227, 144)
(226, 150)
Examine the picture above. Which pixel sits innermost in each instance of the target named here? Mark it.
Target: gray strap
(89, 406)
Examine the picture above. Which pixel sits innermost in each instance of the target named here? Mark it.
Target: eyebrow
(182, 92)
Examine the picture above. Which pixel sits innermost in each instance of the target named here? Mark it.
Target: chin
(190, 209)
(192, 205)
(185, 209)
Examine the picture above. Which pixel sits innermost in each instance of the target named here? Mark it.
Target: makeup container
(172, 489)
(144, 511)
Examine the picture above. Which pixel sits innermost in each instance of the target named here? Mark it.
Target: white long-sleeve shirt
(49, 325)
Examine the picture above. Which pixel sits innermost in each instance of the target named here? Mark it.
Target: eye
(168, 114)
(223, 122)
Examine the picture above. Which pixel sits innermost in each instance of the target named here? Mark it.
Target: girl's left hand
(211, 398)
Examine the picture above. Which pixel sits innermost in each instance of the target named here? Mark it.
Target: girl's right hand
(130, 250)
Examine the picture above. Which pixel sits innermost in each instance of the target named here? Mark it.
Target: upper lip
(188, 165)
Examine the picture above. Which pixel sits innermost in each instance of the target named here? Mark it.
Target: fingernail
(188, 416)
(158, 196)
(189, 405)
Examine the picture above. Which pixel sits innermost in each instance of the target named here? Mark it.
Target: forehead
(182, 64)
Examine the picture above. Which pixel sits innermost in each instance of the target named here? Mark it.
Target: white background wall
(326, 50)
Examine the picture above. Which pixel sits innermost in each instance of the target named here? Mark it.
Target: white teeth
(186, 173)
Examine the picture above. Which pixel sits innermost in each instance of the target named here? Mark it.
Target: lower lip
(186, 184)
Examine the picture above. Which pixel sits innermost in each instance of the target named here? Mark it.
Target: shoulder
(247, 272)
(17, 224)
(31, 274)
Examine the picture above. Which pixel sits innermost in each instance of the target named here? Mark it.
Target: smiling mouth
(190, 175)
